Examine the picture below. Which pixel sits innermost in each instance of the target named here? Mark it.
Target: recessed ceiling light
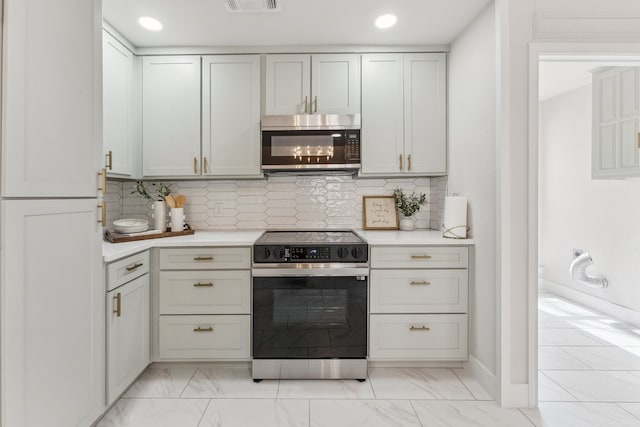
(386, 21)
(150, 23)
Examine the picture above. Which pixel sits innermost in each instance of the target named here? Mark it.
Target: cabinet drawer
(205, 258)
(419, 257)
(126, 269)
(205, 292)
(418, 291)
(418, 337)
(205, 337)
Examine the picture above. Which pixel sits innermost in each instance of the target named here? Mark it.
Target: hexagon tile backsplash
(280, 202)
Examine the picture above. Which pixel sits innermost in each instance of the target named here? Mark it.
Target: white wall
(598, 216)
(521, 22)
(472, 173)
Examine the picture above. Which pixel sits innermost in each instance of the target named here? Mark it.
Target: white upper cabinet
(171, 116)
(307, 84)
(616, 122)
(231, 115)
(404, 114)
(52, 105)
(118, 107)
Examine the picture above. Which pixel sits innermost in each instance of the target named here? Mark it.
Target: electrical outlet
(577, 252)
(218, 209)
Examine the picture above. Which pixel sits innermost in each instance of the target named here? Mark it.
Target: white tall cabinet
(231, 115)
(119, 119)
(51, 290)
(171, 116)
(307, 84)
(616, 122)
(404, 114)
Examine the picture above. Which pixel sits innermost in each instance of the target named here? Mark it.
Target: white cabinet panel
(205, 258)
(52, 98)
(127, 269)
(418, 337)
(418, 291)
(231, 115)
(205, 337)
(419, 257)
(127, 335)
(287, 84)
(335, 84)
(118, 106)
(205, 292)
(171, 116)
(52, 337)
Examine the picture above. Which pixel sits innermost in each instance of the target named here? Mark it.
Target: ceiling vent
(252, 5)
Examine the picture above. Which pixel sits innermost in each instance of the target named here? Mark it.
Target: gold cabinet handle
(118, 298)
(206, 166)
(305, 105)
(202, 285)
(315, 104)
(420, 256)
(419, 328)
(103, 213)
(401, 166)
(195, 166)
(134, 267)
(103, 180)
(420, 283)
(203, 258)
(638, 139)
(199, 329)
(109, 160)
(409, 162)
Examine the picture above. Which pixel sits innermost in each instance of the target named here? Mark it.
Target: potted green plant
(408, 205)
(157, 194)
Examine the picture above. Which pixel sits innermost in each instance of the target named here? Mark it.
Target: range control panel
(310, 253)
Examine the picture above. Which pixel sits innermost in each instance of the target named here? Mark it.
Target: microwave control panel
(352, 146)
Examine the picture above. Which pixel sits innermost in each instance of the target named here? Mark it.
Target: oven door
(309, 316)
(304, 149)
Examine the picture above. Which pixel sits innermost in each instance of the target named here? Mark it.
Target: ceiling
(300, 22)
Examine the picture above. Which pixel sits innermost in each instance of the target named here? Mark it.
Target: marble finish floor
(589, 376)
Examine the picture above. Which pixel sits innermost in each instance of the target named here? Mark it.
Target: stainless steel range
(310, 305)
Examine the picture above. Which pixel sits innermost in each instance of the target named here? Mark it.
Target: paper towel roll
(455, 217)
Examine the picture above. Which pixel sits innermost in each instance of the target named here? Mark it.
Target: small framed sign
(380, 213)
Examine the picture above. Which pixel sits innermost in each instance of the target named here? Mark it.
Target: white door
(127, 335)
(117, 107)
(52, 98)
(287, 84)
(605, 123)
(52, 336)
(231, 115)
(171, 116)
(335, 84)
(425, 113)
(382, 114)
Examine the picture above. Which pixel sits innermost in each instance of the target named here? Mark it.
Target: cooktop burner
(315, 246)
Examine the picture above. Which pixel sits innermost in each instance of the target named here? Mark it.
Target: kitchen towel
(455, 217)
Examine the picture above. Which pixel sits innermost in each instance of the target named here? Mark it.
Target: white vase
(407, 223)
(160, 215)
(177, 219)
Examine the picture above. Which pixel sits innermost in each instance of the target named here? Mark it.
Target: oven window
(309, 317)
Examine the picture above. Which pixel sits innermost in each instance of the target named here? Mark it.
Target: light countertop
(114, 251)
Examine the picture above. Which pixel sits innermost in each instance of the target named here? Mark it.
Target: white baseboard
(483, 375)
(614, 310)
(515, 396)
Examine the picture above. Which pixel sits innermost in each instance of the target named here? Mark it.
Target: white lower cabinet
(418, 303)
(204, 303)
(127, 306)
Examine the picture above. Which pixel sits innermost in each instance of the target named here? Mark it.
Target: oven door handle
(305, 272)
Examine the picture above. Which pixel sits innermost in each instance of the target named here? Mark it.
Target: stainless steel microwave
(309, 142)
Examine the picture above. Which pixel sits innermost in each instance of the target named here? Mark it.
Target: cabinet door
(382, 116)
(629, 91)
(171, 116)
(605, 114)
(287, 81)
(117, 107)
(52, 334)
(231, 115)
(127, 335)
(425, 118)
(335, 84)
(52, 98)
